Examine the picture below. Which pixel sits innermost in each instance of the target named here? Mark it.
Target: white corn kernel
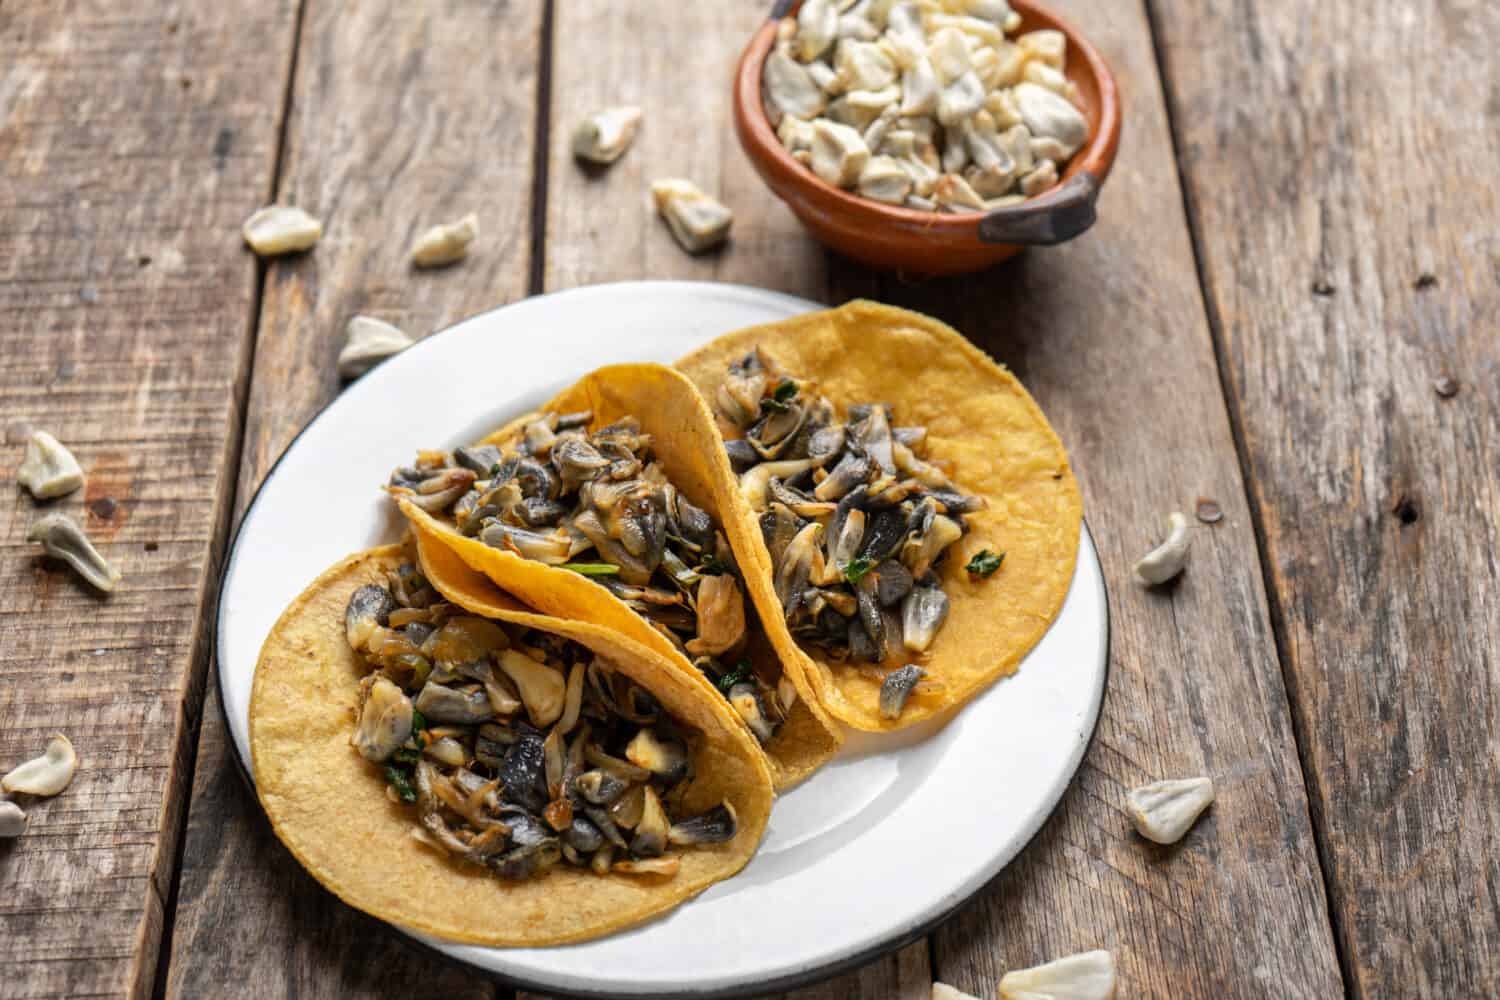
(863, 66)
(279, 229)
(942, 991)
(1086, 976)
(62, 538)
(1047, 114)
(790, 86)
(949, 54)
(367, 342)
(1164, 811)
(1041, 178)
(817, 26)
(839, 153)
(604, 136)
(885, 179)
(49, 469)
(960, 99)
(445, 244)
(697, 221)
(954, 193)
(48, 774)
(1167, 559)
(919, 88)
(1050, 46)
(1048, 148)
(12, 820)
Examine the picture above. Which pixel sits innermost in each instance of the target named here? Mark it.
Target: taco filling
(515, 749)
(600, 504)
(856, 521)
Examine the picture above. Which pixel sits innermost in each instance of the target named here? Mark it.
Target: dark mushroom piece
(741, 453)
(852, 469)
(459, 706)
(600, 787)
(369, 608)
(893, 581)
(897, 687)
(478, 458)
(923, 612)
(583, 836)
(552, 548)
(717, 826)
(747, 704)
(523, 772)
(438, 492)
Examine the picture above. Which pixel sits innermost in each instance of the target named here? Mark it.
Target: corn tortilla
(686, 445)
(980, 420)
(329, 806)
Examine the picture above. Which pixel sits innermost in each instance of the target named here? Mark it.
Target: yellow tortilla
(999, 446)
(328, 804)
(686, 445)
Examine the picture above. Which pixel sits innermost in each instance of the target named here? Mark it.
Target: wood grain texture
(1372, 129)
(132, 144)
(676, 62)
(402, 116)
(1111, 335)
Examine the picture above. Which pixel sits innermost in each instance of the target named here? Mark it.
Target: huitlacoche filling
(857, 522)
(515, 749)
(597, 502)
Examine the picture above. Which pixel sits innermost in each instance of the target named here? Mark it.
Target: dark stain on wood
(106, 494)
(223, 143)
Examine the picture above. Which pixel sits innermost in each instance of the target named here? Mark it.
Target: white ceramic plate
(869, 853)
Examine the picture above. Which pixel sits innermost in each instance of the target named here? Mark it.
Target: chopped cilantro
(984, 563)
(855, 569)
(714, 566)
(400, 780)
(741, 672)
(593, 569)
(406, 755)
(418, 721)
(785, 391)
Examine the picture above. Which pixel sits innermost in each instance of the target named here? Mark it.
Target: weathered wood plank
(131, 143)
(1111, 335)
(402, 116)
(1370, 129)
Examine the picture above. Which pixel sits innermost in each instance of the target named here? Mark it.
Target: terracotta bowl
(902, 239)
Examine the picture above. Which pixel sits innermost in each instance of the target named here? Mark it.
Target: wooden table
(1299, 243)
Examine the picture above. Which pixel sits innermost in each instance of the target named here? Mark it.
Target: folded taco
(487, 774)
(908, 521)
(607, 506)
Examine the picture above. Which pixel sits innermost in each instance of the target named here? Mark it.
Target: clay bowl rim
(761, 144)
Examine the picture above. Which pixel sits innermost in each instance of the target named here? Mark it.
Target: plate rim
(805, 977)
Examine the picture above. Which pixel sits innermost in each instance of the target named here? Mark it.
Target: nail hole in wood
(104, 507)
(1322, 287)
(1407, 510)
(1445, 386)
(152, 546)
(1424, 281)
